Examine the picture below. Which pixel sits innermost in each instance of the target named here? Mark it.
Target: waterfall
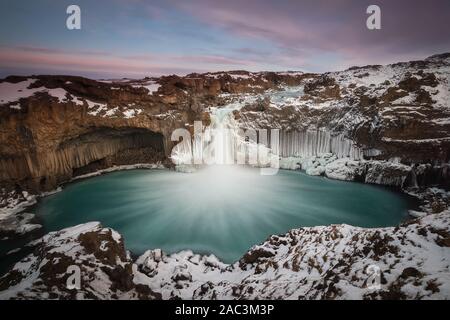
(223, 142)
(315, 142)
(220, 143)
(224, 136)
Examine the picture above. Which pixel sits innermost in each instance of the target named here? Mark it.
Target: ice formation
(316, 142)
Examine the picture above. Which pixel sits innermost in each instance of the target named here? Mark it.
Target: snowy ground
(12, 93)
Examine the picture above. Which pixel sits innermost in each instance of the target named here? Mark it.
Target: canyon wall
(53, 128)
(95, 150)
(47, 139)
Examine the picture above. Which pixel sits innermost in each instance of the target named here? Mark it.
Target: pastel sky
(138, 38)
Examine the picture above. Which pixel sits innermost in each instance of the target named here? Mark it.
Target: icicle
(315, 142)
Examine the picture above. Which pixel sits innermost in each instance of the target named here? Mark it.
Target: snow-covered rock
(290, 163)
(417, 214)
(411, 261)
(98, 254)
(13, 219)
(343, 169)
(387, 173)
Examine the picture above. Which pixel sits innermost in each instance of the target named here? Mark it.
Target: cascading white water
(233, 145)
(225, 138)
(220, 143)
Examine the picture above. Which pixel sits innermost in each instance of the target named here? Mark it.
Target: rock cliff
(54, 127)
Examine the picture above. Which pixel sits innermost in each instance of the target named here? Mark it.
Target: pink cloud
(79, 62)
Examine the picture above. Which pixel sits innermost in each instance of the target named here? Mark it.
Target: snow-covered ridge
(244, 75)
(377, 80)
(152, 86)
(411, 261)
(99, 255)
(12, 93)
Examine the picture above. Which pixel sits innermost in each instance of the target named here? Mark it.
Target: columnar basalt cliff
(54, 127)
(47, 136)
(398, 113)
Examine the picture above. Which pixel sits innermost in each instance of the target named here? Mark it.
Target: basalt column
(100, 148)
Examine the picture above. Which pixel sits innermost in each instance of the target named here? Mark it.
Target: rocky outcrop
(411, 261)
(395, 111)
(386, 173)
(14, 221)
(94, 253)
